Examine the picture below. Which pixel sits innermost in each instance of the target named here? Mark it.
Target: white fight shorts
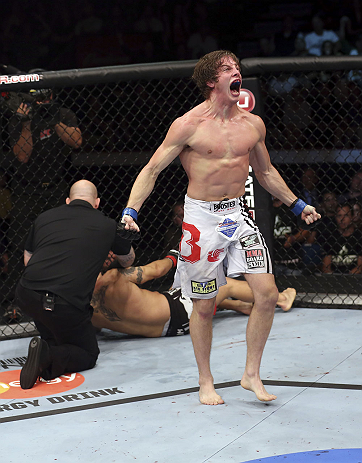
(218, 234)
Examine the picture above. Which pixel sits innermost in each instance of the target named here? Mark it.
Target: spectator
(312, 248)
(285, 39)
(355, 189)
(315, 39)
(266, 47)
(283, 84)
(357, 214)
(330, 48)
(286, 245)
(355, 75)
(296, 119)
(350, 26)
(300, 48)
(305, 235)
(343, 250)
(328, 206)
(309, 191)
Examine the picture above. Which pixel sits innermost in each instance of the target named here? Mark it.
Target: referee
(64, 253)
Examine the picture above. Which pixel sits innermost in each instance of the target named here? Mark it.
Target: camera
(43, 110)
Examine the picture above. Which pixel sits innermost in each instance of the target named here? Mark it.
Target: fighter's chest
(214, 138)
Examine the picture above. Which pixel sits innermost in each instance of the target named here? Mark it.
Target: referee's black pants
(67, 330)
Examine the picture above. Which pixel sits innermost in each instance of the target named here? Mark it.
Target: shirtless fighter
(216, 142)
(120, 305)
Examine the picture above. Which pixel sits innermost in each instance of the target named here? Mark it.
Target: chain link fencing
(313, 115)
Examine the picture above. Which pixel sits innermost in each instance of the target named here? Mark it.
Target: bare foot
(288, 299)
(208, 396)
(255, 385)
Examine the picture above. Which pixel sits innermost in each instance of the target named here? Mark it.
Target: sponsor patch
(250, 240)
(227, 227)
(224, 206)
(255, 258)
(206, 287)
(213, 256)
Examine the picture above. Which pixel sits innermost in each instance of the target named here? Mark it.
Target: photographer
(41, 132)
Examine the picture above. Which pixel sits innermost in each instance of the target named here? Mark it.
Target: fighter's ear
(96, 204)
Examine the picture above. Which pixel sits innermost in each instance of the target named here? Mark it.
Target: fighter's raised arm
(175, 141)
(270, 179)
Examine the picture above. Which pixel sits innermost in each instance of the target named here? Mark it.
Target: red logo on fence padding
(246, 100)
(10, 385)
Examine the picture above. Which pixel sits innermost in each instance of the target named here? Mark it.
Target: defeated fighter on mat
(121, 305)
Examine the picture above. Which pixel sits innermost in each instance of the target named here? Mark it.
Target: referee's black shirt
(69, 245)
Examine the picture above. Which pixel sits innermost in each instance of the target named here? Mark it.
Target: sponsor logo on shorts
(224, 206)
(206, 287)
(213, 256)
(250, 240)
(228, 227)
(255, 258)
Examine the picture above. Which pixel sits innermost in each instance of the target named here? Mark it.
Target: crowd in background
(86, 33)
(334, 244)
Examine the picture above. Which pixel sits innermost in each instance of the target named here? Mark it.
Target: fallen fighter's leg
(286, 299)
(243, 298)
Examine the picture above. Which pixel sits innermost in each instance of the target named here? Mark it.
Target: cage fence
(313, 116)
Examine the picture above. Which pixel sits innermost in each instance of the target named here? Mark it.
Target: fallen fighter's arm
(144, 273)
(127, 259)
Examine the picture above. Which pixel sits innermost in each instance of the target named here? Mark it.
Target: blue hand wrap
(298, 206)
(130, 211)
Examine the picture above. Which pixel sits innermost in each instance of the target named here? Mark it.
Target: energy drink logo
(10, 385)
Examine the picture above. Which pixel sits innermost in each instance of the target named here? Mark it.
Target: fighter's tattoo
(98, 305)
(131, 270)
(126, 271)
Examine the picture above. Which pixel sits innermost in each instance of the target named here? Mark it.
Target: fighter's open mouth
(235, 86)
